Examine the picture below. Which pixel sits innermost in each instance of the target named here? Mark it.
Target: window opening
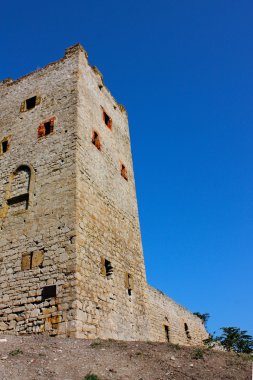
(167, 333)
(96, 140)
(187, 332)
(5, 146)
(108, 268)
(129, 283)
(48, 292)
(20, 188)
(31, 103)
(123, 172)
(107, 120)
(46, 128)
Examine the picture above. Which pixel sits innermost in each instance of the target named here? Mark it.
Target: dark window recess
(108, 268)
(167, 332)
(19, 199)
(129, 283)
(107, 120)
(46, 128)
(31, 102)
(5, 146)
(187, 332)
(123, 172)
(96, 140)
(48, 292)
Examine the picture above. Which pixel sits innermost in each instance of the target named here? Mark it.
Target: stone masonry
(71, 260)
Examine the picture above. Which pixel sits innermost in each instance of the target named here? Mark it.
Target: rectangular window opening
(108, 268)
(48, 128)
(48, 292)
(107, 120)
(31, 102)
(187, 332)
(5, 146)
(167, 333)
(129, 283)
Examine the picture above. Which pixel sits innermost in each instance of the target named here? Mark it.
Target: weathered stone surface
(71, 260)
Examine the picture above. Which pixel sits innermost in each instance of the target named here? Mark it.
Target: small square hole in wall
(5, 146)
(123, 172)
(48, 292)
(31, 102)
(107, 120)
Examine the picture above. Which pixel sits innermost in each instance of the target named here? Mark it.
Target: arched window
(20, 188)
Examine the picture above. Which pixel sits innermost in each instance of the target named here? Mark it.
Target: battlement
(71, 260)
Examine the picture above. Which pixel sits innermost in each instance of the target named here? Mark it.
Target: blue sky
(184, 71)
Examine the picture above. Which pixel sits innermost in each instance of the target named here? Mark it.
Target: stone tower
(71, 259)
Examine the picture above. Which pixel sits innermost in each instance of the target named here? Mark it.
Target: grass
(91, 376)
(96, 343)
(15, 352)
(198, 354)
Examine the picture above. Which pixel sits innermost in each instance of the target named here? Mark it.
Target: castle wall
(37, 200)
(71, 258)
(107, 220)
(172, 322)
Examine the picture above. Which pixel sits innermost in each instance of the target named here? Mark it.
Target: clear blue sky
(184, 71)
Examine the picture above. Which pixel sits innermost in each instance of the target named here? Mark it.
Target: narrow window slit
(129, 283)
(187, 332)
(167, 333)
(107, 120)
(106, 268)
(5, 146)
(123, 172)
(96, 140)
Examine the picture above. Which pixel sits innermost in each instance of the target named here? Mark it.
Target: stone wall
(71, 258)
(37, 199)
(113, 304)
(172, 322)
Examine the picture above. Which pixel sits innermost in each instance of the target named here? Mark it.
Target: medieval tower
(71, 259)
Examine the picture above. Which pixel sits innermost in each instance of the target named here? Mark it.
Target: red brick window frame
(123, 171)
(107, 119)
(46, 128)
(96, 140)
